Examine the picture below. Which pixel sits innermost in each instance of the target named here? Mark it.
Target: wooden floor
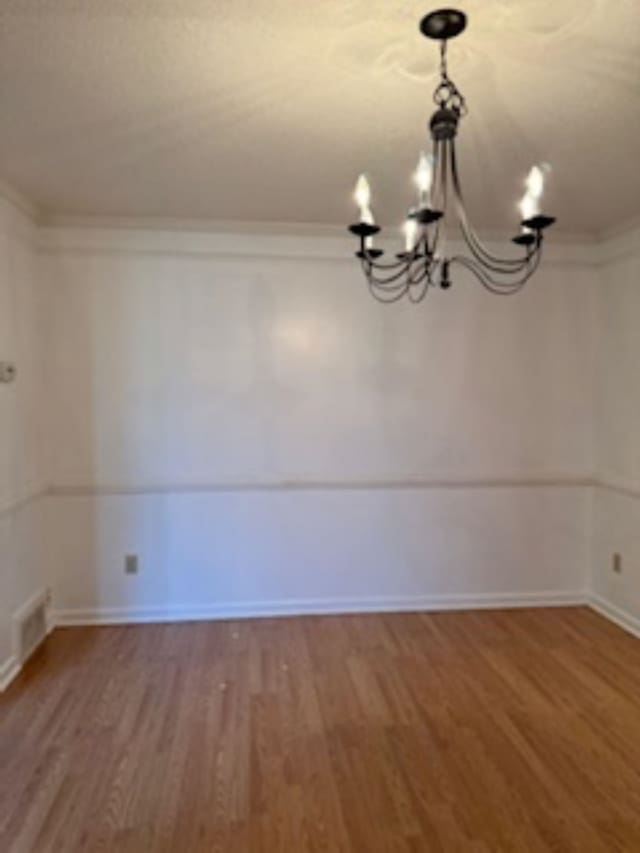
(485, 731)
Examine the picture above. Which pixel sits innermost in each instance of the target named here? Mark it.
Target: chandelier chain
(447, 95)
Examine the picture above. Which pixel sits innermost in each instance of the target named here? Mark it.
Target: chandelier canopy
(425, 262)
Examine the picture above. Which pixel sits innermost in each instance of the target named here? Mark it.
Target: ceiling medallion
(425, 262)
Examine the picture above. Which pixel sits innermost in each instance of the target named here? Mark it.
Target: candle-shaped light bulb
(424, 177)
(529, 204)
(362, 196)
(410, 229)
(535, 182)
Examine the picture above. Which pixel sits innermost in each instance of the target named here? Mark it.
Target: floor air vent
(30, 626)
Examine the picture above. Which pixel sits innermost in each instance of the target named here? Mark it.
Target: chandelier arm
(471, 238)
(415, 299)
(390, 280)
(534, 259)
(424, 274)
(444, 178)
(386, 299)
(519, 282)
(388, 288)
(406, 269)
(440, 196)
(437, 176)
(491, 263)
(504, 288)
(402, 265)
(393, 288)
(391, 283)
(507, 285)
(393, 292)
(438, 157)
(484, 279)
(437, 262)
(406, 287)
(423, 269)
(436, 240)
(516, 268)
(522, 265)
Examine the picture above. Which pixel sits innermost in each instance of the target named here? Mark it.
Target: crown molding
(620, 245)
(77, 222)
(245, 242)
(628, 226)
(253, 227)
(166, 235)
(247, 239)
(169, 224)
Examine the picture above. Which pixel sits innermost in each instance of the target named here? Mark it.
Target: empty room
(319, 426)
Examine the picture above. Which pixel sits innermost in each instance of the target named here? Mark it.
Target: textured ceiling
(255, 110)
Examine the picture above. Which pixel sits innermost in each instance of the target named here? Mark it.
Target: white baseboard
(8, 671)
(615, 614)
(247, 610)
(307, 607)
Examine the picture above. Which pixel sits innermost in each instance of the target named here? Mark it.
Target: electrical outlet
(131, 564)
(616, 564)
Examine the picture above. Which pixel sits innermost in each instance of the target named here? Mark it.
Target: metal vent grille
(30, 626)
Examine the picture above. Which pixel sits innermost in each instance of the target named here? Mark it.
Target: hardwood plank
(481, 731)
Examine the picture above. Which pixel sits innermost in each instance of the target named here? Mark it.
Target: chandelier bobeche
(424, 263)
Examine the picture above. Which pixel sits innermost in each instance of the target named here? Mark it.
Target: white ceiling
(266, 111)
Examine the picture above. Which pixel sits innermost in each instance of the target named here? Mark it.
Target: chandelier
(425, 261)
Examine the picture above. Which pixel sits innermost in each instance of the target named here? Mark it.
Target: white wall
(21, 465)
(238, 411)
(267, 437)
(617, 499)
